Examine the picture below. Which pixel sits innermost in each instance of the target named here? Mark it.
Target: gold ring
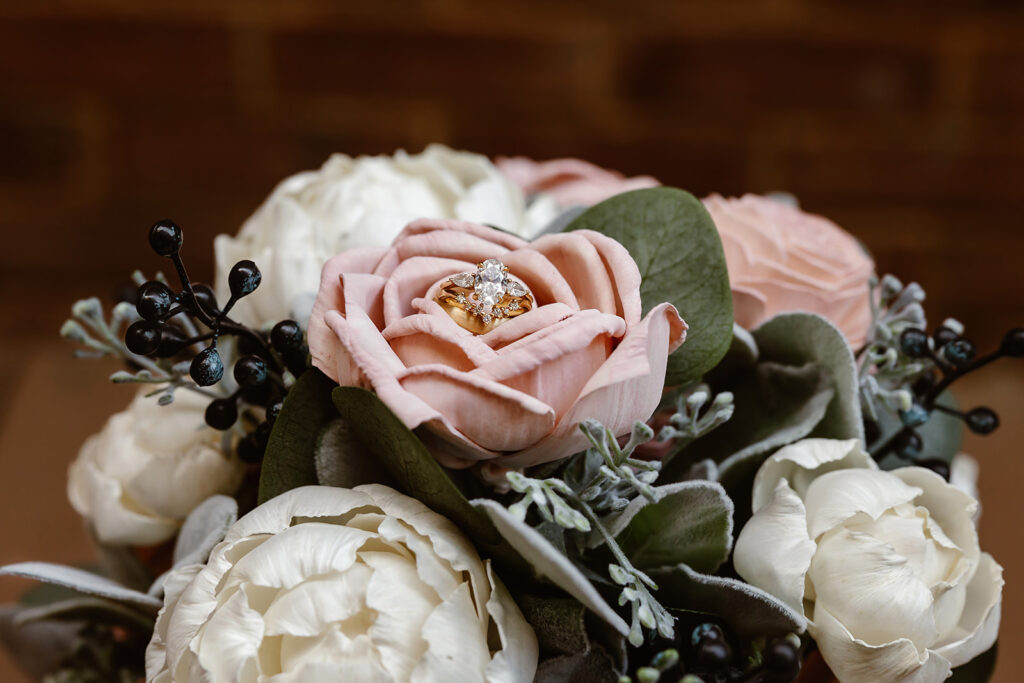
(481, 301)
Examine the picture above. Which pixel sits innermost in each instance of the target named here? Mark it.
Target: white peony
(139, 478)
(331, 584)
(362, 202)
(885, 565)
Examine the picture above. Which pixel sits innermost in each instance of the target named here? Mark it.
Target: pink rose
(781, 259)
(518, 392)
(571, 182)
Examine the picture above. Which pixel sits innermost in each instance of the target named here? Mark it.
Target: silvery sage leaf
(89, 609)
(204, 528)
(548, 562)
(750, 611)
(688, 522)
(81, 581)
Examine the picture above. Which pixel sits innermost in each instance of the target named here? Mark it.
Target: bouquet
(446, 419)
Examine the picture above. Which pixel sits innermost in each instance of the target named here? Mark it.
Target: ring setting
(481, 301)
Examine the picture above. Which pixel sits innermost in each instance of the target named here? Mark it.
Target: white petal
(316, 603)
(403, 604)
(329, 658)
(228, 644)
(979, 624)
(871, 590)
(800, 463)
(303, 503)
(516, 662)
(432, 569)
(963, 474)
(950, 507)
(854, 661)
(773, 552)
(456, 645)
(837, 496)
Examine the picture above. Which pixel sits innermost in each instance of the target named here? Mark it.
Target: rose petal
(800, 463)
(546, 283)
(773, 551)
(580, 263)
(624, 273)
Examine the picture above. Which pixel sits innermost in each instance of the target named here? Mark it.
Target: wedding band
(481, 301)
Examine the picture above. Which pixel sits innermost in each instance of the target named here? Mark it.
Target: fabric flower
(781, 260)
(361, 202)
(519, 391)
(885, 565)
(138, 479)
(329, 584)
(572, 182)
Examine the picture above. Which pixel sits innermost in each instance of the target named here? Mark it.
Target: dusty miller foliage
(584, 491)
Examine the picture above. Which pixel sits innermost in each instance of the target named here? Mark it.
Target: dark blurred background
(904, 122)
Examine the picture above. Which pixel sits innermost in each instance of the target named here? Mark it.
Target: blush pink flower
(572, 182)
(782, 259)
(516, 394)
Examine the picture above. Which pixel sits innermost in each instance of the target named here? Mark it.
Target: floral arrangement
(446, 419)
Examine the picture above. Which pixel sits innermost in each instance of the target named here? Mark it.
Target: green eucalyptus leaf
(800, 338)
(383, 438)
(289, 461)
(676, 246)
(341, 459)
(689, 522)
(546, 561)
(750, 611)
(978, 670)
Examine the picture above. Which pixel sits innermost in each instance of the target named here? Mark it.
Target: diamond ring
(481, 301)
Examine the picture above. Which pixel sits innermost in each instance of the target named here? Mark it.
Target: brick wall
(905, 123)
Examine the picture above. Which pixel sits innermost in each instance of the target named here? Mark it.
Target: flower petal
(580, 263)
(836, 496)
(950, 507)
(801, 462)
(773, 551)
(979, 623)
(456, 648)
(516, 662)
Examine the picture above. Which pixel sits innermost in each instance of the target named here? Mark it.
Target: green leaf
(676, 246)
(341, 458)
(548, 562)
(800, 338)
(979, 669)
(750, 611)
(289, 461)
(690, 522)
(383, 437)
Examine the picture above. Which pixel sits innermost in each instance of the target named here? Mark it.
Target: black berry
(222, 413)
(938, 466)
(295, 361)
(258, 395)
(713, 655)
(871, 431)
(908, 443)
(1013, 343)
(172, 343)
(165, 237)
(982, 420)
(244, 278)
(914, 342)
(250, 371)
(943, 336)
(781, 661)
(154, 300)
(959, 352)
(706, 631)
(207, 368)
(250, 450)
(286, 335)
(207, 299)
(143, 337)
(925, 383)
(262, 433)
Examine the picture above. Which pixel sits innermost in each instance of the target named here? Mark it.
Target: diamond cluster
(490, 284)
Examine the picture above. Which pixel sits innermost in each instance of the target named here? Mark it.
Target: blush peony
(571, 182)
(516, 394)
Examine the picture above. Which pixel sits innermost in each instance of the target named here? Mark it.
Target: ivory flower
(361, 202)
(517, 393)
(781, 260)
(330, 584)
(138, 479)
(885, 565)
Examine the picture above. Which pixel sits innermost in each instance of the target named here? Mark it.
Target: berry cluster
(169, 329)
(946, 356)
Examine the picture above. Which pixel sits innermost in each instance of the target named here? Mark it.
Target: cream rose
(571, 182)
(361, 202)
(885, 565)
(781, 260)
(329, 584)
(516, 394)
(139, 478)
